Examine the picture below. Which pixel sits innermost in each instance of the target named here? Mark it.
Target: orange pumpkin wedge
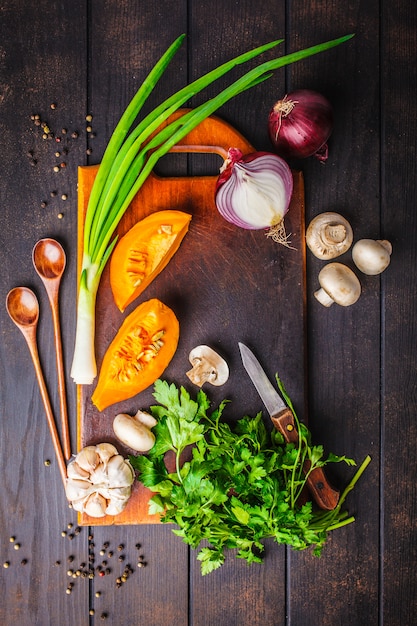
(143, 252)
(139, 353)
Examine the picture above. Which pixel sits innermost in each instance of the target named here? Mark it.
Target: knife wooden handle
(323, 493)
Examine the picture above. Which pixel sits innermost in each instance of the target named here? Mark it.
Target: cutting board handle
(211, 135)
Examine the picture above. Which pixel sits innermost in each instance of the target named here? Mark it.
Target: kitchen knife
(283, 419)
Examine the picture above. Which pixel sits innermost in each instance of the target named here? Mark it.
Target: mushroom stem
(208, 367)
(333, 233)
(202, 372)
(323, 297)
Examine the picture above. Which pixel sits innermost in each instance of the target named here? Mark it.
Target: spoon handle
(66, 442)
(31, 341)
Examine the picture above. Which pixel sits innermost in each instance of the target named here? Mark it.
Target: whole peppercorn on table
(68, 72)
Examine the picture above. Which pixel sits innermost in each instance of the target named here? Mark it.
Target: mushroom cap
(372, 257)
(132, 432)
(338, 284)
(211, 357)
(329, 235)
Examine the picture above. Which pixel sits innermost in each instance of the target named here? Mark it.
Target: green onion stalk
(130, 157)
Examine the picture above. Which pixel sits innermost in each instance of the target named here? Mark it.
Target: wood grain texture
(89, 58)
(398, 339)
(345, 411)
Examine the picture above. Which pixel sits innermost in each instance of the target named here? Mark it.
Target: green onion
(130, 158)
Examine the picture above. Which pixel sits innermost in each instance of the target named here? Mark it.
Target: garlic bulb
(99, 481)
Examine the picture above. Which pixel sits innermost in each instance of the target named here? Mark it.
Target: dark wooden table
(90, 57)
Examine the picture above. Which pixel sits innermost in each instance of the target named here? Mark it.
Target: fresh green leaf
(151, 472)
(210, 560)
(241, 484)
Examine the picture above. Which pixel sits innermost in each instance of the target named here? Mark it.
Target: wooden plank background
(90, 57)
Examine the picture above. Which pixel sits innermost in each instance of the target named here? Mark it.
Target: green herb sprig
(241, 485)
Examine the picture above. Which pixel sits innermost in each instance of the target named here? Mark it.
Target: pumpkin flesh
(143, 252)
(139, 353)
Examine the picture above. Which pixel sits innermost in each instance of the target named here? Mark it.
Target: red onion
(300, 124)
(254, 191)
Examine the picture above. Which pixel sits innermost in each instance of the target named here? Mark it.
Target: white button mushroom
(135, 430)
(329, 235)
(208, 367)
(372, 257)
(338, 284)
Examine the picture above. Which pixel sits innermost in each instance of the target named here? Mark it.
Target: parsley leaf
(239, 486)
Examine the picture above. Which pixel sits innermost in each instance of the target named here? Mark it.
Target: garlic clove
(120, 473)
(88, 459)
(106, 451)
(78, 505)
(77, 489)
(96, 505)
(372, 257)
(118, 502)
(75, 471)
(329, 235)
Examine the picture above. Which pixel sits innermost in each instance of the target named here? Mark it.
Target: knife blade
(325, 496)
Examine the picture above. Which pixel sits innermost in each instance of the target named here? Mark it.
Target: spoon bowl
(49, 261)
(23, 308)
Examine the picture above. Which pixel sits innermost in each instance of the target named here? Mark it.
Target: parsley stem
(353, 482)
(177, 465)
(345, 522)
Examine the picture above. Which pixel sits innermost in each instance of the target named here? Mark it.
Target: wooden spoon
(49, 262)
(23, 308)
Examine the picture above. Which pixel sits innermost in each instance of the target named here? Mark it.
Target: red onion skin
(236, 156)
(303, 130)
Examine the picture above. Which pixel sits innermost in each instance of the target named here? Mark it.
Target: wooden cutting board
(225, 285)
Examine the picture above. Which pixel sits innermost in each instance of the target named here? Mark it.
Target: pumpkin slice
(143, 252)
(139, 353)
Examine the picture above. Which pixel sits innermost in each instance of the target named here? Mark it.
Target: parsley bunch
(241, 484)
